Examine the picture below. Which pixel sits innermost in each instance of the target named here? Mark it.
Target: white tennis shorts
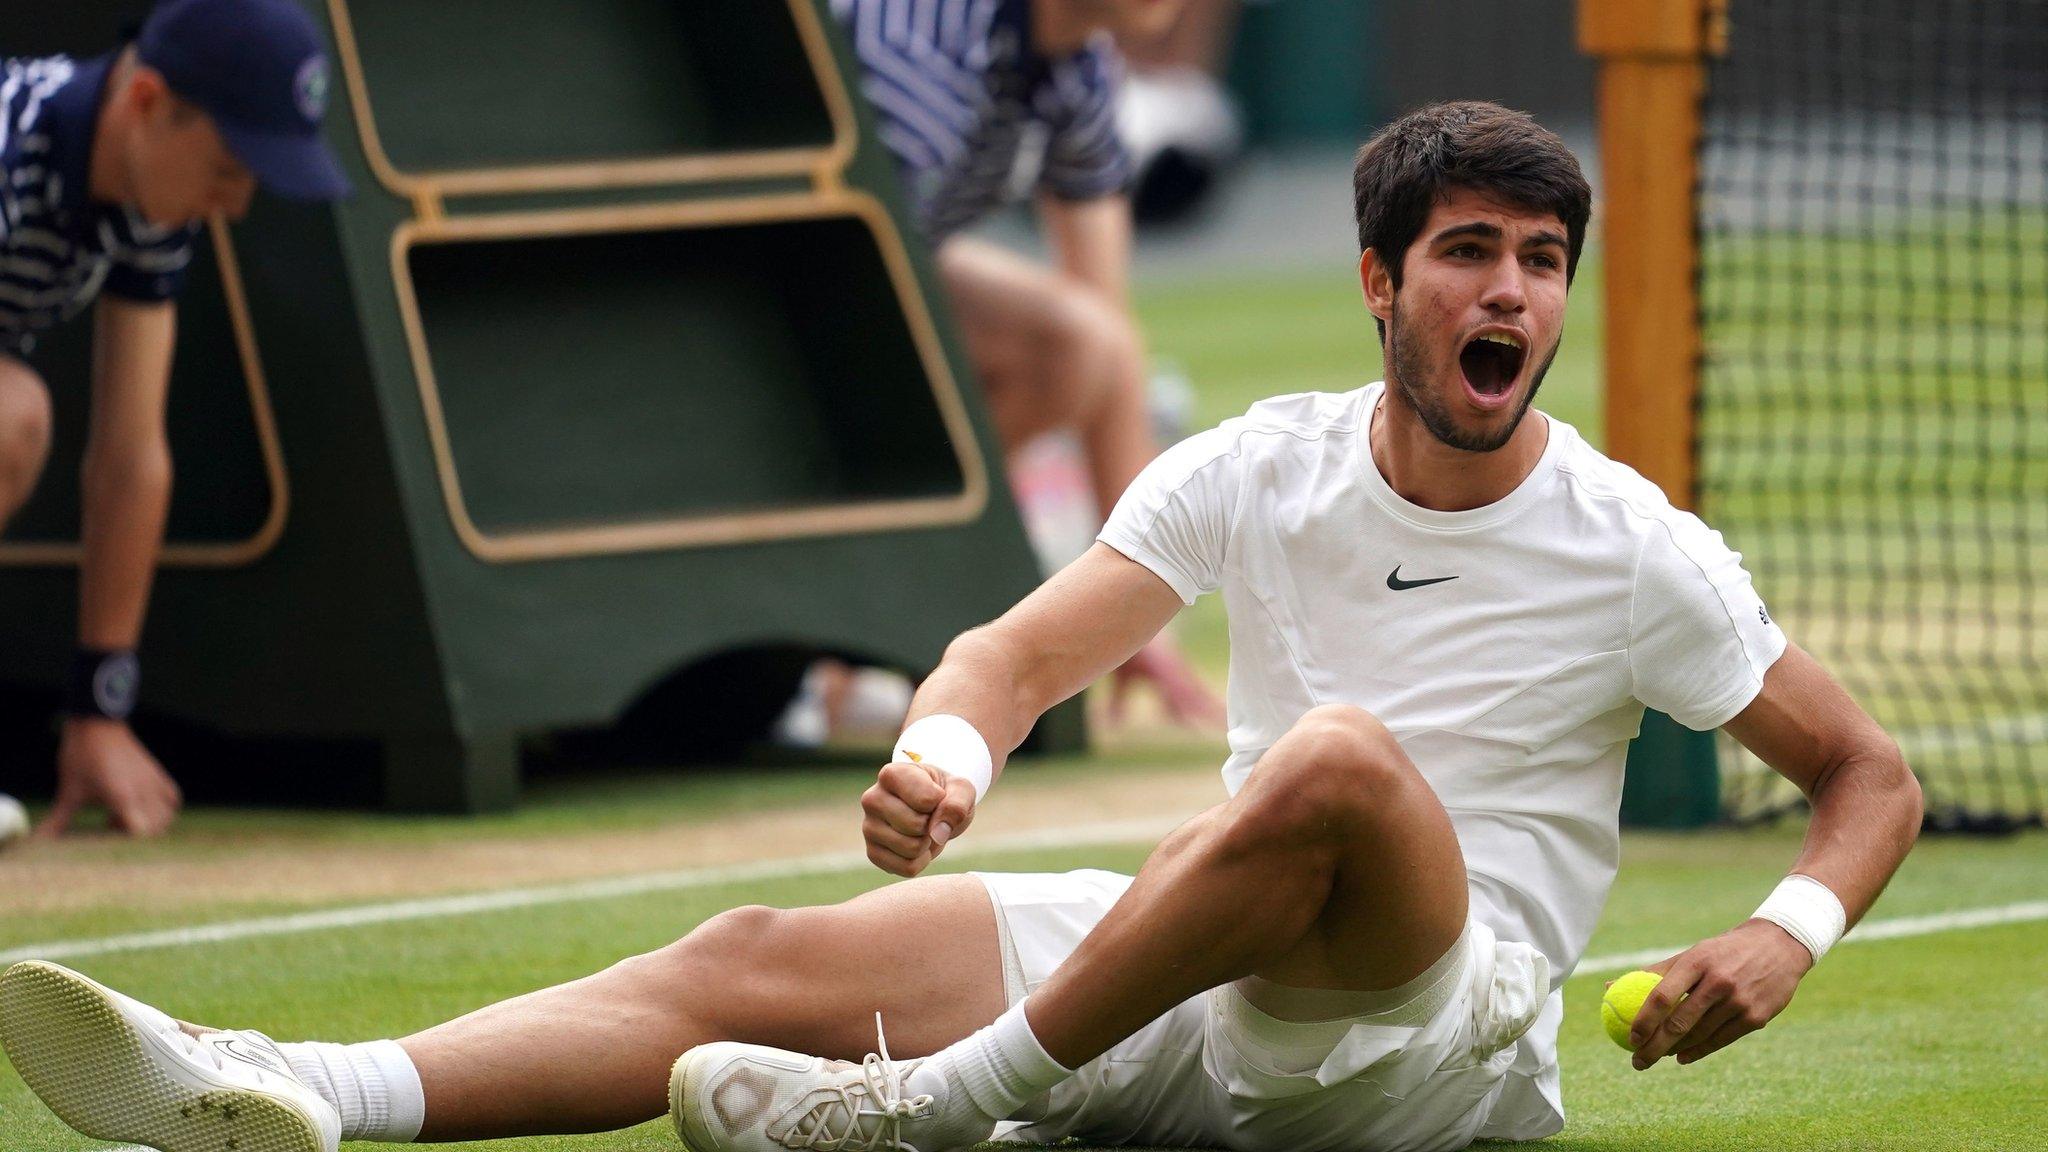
(1417, 1073)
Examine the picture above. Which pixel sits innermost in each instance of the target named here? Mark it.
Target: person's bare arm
(127, 473)
(1001, 677)
(1091, 241)
(126, 490)
(1866, 815)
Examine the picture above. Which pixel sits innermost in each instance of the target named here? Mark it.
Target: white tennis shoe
(729, 1097)
(116, 1069)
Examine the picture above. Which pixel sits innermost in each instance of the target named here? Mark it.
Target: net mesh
(1873, 423)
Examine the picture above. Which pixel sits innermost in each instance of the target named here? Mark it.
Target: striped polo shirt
(59, 249)
(959, 91)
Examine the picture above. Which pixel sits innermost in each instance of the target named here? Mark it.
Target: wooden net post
(1652, 73)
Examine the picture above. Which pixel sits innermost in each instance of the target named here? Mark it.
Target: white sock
(374, 1086)
(1001, 1067)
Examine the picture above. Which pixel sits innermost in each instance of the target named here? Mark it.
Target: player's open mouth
(1492, 362)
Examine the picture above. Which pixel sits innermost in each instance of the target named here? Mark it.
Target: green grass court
(1926, 1042)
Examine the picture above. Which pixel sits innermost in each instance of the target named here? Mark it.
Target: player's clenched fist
(911, 813)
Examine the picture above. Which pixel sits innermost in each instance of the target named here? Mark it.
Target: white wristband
(1806, 908)
(951, 745)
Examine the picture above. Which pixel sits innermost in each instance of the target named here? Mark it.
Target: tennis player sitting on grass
(1447, 614)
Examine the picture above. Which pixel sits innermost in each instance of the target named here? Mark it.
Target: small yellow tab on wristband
(951, 745)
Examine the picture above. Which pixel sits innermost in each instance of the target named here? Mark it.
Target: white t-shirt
(1510, 648)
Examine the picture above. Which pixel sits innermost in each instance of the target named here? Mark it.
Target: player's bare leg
(591, 1055)
(594, 1054)
(24, 433)
(1335, 867)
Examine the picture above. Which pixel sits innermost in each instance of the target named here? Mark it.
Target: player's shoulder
(1635, 507)
(1598, 480)
(1300, 416)
(1279, 428)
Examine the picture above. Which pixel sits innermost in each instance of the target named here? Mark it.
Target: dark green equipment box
(617, 389)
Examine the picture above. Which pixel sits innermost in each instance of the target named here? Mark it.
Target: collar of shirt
(70, 118)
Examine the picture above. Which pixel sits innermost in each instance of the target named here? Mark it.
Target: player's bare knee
(25, 429)
(716, 968)
(739, 936)
(28, 424)
(736, 940)
(1336, 767)
(1347, 747)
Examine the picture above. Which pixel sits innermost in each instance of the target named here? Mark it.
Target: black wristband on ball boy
(103, 684)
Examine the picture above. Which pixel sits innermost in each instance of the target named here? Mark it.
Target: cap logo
(309, 88)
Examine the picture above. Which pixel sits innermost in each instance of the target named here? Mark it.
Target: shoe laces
(191, 1046)
(877, 1096)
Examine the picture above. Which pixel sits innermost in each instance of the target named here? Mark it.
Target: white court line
(1080, 836)
(1894, 929)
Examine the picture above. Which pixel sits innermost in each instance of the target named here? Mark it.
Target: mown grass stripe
(1080, 836)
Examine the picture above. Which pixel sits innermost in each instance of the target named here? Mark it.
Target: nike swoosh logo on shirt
(1395, 582)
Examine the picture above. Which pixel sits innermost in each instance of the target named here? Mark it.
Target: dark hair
(1415, 162)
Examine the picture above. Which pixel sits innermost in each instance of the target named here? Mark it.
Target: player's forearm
(126, 494)
(1084, 621)
(982, 681)
(127, 474)
(977, 681)
(1866, 815)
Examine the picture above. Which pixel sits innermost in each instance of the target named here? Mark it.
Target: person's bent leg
(1052, 354)
(1335, 867)
(1008, 312)
(24, 433)
(594, 1055)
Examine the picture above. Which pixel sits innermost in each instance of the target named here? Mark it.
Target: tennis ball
(13, 820)
(1623, 1000)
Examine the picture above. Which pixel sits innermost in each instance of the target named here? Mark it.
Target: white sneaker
(728, 1097)
(116, 1069)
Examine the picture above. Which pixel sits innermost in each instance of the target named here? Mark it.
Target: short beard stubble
(1411, 364)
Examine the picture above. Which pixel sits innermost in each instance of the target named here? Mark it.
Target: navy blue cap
(258, 68)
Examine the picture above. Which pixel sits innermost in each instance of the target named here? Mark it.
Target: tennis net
(1873, 408)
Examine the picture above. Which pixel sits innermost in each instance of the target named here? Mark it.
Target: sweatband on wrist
(1806, 908)
(102, 683)
(951, 745)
